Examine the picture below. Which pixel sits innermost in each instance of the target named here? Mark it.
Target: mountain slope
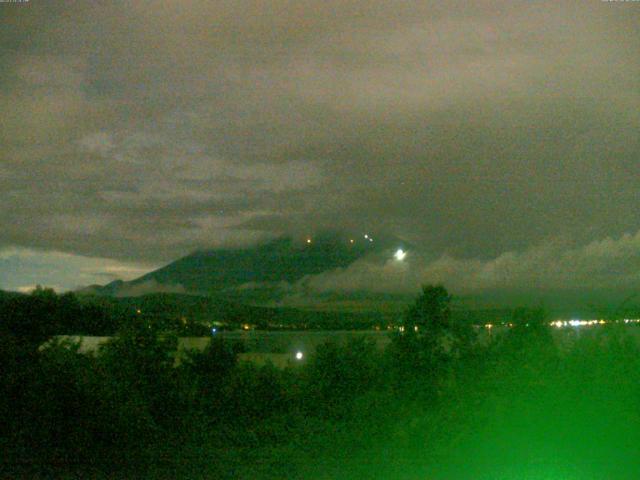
(256, 273)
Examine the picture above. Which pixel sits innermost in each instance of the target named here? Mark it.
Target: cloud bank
(611, 263)
(140, 131)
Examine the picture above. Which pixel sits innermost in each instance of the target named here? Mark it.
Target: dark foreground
(517, 408)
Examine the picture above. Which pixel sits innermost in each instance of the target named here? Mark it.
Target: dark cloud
(142, 130)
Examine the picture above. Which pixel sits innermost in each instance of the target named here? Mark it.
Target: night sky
(500, 139)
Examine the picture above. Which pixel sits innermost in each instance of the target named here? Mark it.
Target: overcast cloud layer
(137, 131)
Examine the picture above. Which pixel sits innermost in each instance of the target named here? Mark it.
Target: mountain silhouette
(245, 271)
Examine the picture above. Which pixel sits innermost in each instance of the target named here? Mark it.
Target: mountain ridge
(255, 275)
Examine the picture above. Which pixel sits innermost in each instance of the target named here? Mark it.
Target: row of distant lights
(581, 323)
(489, 326)
(401, 328)
(299, 355)
(351, 240)
(574, 323)
(399, 255)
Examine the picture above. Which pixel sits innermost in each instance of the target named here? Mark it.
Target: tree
(430, 319)
(29, 319)
(422, 353)
(431, 311)
(338, 374)
(139, 364)
(205, 372)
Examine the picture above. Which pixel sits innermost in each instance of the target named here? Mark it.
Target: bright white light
(214, 330)
(366, 236)
(400, 254)
(299, 355)
(308, 240)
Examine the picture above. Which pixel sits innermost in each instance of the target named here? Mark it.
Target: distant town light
(352, 240)
(400, 254)
(299, 355)
(308, 240)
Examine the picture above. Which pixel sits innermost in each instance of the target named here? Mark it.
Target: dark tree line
(132, 411)
(132, 407)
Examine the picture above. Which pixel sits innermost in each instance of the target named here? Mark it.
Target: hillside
(255, 275)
